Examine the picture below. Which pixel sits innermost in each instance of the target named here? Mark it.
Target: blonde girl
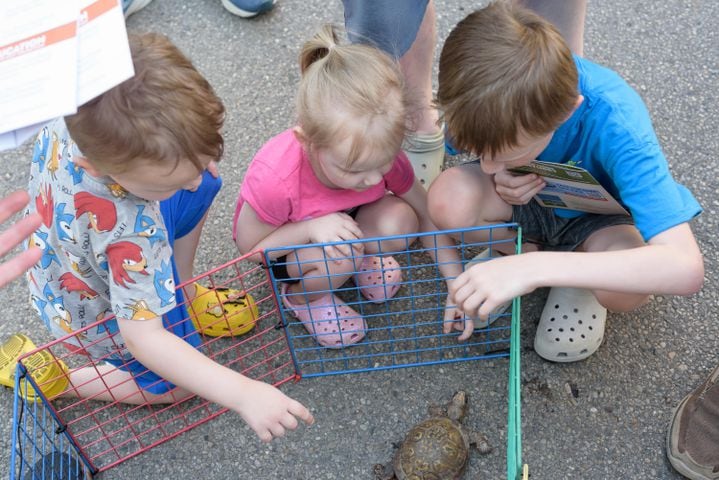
(338, 175)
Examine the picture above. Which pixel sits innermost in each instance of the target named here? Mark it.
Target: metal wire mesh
(406, 329)
(106, 433)
(61, 436)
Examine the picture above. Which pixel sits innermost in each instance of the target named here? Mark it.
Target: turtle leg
(383, 472)
(437, 410)
(480, 442)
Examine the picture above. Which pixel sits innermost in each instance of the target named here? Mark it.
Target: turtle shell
(437, 448)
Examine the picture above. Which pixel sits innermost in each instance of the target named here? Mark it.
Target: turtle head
(457, 407)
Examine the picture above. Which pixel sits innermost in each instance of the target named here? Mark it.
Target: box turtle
(437, 448)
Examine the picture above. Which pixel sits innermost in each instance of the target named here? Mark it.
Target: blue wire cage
(405, 330)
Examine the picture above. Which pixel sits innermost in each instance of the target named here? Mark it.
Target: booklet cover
(55, 56)
(572, 188)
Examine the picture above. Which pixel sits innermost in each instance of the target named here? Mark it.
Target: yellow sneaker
(222, 312)
(49, 373)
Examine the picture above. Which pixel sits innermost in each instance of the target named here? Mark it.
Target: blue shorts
(182, 213)
(542, 227)
(390, 25)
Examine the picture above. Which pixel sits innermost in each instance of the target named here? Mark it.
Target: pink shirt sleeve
(265, 191)
(401, 177)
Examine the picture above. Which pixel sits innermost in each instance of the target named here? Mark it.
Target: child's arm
(255, 235)
(671, 263)
(265, 409)
(445, 256)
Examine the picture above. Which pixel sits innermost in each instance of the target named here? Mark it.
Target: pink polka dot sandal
(378, 278)
(333, 323)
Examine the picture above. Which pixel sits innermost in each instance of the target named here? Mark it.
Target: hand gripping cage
(63, 437)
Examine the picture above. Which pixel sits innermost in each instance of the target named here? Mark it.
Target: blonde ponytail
(318, 47)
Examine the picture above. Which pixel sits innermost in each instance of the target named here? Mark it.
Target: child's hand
(485, 286)
(270, 412)
(335, 227)
(16, 234)
(517, 189)
(455, 319)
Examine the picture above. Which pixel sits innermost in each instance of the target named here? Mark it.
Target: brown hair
(504, 70)
(349, 89)
(166, 112)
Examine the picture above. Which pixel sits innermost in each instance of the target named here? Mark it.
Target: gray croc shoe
(571, 327)
(426, 154)
(693, 435)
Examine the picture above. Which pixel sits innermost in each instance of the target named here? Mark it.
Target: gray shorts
(541, 226)
(390, 25)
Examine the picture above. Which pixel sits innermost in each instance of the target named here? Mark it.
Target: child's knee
(445, 210)
(399, 219)
(621, 302)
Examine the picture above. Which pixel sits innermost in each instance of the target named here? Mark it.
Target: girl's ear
(87, 166)
(300, 135)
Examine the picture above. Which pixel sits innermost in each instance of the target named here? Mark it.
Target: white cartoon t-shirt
(105, 251)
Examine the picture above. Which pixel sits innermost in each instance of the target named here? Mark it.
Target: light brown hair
(350, 90)
(165, 113)
(504, 70)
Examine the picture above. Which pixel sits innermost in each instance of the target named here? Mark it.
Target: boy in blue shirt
(512, 92)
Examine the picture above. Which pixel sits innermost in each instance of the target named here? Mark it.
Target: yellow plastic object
(223, 312)
(49, 373)
(525, 472)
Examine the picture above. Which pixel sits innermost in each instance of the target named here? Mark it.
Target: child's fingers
(265, 435)
(338, 251)
(447, 326)
(535, 189)
(468, 330)
(15, 267)
(12, 204)
(18, 232)
(289, 421)
(301, 412)
(277, 430)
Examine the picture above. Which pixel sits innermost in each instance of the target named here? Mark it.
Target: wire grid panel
(49, 452)
(403, 331)
(102, 425)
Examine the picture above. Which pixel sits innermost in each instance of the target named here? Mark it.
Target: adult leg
(406, 30)
(567, 15)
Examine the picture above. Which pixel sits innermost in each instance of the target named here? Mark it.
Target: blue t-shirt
(611, 135)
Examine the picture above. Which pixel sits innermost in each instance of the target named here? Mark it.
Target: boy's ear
(299, 135)
(84, 163)
(577, 103)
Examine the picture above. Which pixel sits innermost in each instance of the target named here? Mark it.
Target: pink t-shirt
(281, 186)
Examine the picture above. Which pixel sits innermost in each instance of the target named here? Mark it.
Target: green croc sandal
(49, 373)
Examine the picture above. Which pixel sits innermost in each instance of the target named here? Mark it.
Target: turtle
(436, 448)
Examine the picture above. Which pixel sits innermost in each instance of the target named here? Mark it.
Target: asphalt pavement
(601, 418)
